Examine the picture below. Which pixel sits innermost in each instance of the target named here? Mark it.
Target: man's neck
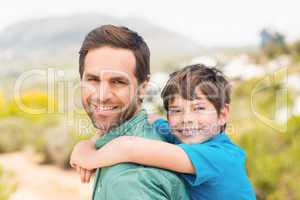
(101, 132)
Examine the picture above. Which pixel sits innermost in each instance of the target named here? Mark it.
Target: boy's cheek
(173, 121)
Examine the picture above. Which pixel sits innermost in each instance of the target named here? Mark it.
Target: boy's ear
(224, 115)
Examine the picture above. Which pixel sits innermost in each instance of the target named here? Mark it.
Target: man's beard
(125, 114)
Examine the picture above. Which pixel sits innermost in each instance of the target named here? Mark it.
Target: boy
(197, 102)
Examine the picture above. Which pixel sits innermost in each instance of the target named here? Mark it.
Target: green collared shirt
(129, 181)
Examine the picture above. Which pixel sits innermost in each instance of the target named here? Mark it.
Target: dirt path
(44, 182)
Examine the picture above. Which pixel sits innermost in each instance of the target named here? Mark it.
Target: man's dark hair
(118, 37)
(211, 82)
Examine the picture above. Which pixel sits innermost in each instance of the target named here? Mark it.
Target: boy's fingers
(88, 176)
(78, 169)
(72, 165)
(85, 175)
(82, 175)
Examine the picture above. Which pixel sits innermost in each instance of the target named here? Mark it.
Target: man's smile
(103, 109)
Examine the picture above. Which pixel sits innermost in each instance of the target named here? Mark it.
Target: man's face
(109, 86)
(194, 121)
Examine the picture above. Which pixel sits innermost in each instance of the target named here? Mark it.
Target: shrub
(12, 132)
(7, 184)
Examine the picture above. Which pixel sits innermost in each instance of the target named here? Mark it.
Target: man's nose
(104, 92)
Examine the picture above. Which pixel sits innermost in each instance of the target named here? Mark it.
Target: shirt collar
(220, 137)
(123, 129)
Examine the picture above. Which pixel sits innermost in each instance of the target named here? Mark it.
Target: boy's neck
(204, 139)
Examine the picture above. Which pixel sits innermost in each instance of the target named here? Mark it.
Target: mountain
(46, 42)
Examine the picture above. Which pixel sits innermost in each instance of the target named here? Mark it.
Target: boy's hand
(85, 174)
(83, 155)
(152, 118)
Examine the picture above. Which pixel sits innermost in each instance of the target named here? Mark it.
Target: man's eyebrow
(123, 78)
(90, 75)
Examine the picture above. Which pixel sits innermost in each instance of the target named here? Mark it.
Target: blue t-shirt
(219, 167)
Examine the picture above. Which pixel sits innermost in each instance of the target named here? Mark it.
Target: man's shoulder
(146, 130)
(129, 169)
(138, 179)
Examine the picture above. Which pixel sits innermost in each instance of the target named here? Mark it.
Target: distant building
(271, 37)
(241, 68)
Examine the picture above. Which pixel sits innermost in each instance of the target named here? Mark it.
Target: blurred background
(255, 43)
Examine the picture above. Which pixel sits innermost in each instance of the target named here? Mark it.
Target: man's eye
(119, 82)
(92, 79)
(199, 108)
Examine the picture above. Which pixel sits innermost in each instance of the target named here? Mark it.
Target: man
(114, 70)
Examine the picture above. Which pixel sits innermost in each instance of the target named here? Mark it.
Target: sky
(209, 23)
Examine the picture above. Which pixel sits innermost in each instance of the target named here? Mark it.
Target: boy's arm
(143, 151)
(82, 151)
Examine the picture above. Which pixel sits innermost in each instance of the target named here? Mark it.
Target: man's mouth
(104, 109)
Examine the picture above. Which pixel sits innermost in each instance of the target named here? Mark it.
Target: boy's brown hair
(210, 81)
(118, 37)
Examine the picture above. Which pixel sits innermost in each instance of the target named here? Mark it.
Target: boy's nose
(186, 117)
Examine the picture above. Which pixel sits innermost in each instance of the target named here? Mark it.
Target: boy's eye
(174, 111)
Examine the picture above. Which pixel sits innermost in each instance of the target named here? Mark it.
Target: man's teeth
(105, 108)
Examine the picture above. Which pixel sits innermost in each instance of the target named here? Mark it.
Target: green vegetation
(295, 51)
(7, 184)
(46, 134)
(273, 154)
(273, 44)
(273, 147)
(274, 159)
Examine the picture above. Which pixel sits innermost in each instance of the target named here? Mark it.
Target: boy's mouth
(189, 132)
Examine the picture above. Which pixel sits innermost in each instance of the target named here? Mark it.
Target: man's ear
(142, 90)
(224, 115)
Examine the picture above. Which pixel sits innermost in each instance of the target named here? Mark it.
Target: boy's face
(194, 121)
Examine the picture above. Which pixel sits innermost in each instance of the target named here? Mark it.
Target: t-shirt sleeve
(163, 128)
(206, 161)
